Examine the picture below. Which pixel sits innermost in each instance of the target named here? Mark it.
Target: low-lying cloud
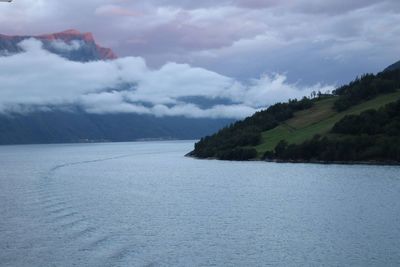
(61, 46)
(39, 79)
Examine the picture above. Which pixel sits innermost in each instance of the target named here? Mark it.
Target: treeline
(346, 149)
(366, 87)
(372, 135)
(385, 120)
(235, 141)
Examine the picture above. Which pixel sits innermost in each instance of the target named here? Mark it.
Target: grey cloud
(334, 40)
(335, 7)
(59, 45)
(308, 6)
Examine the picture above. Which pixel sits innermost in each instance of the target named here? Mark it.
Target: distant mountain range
(58, 126)
(79, 126)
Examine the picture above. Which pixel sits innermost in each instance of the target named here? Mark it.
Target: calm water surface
(144, 204)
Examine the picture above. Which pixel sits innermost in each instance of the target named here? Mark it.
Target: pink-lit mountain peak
(67, 36)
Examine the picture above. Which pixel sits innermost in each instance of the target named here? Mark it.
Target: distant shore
(371, 162)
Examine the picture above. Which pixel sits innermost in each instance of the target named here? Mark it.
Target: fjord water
(145, 204)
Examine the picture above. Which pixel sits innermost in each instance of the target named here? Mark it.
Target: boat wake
(67, 221)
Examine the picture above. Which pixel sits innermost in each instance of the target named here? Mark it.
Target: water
(144, 204)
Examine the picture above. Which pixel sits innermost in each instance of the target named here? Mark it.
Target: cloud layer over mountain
(37, 78)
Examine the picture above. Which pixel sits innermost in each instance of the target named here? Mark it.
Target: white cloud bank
(38, 78)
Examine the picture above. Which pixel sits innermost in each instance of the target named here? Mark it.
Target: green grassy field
(317, 120)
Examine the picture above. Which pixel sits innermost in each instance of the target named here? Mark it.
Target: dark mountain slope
(69, 127)
(394, 66)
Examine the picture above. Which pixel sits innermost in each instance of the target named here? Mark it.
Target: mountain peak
(93, 51)
(71, 31)
(394, 66)
(68, 35)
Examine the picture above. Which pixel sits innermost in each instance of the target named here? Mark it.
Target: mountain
(82, 47)
(394, 66)
(75, 125)
(357, 122)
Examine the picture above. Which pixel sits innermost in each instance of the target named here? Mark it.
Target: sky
(252, 52)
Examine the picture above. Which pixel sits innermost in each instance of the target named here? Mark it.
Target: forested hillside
(374, 135)
(318, 128)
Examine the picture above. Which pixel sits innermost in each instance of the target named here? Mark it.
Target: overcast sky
(295, 43)
(309, 40)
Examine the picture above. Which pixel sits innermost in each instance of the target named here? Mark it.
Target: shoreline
(98, 142)
(341, 162)
(321, 162)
